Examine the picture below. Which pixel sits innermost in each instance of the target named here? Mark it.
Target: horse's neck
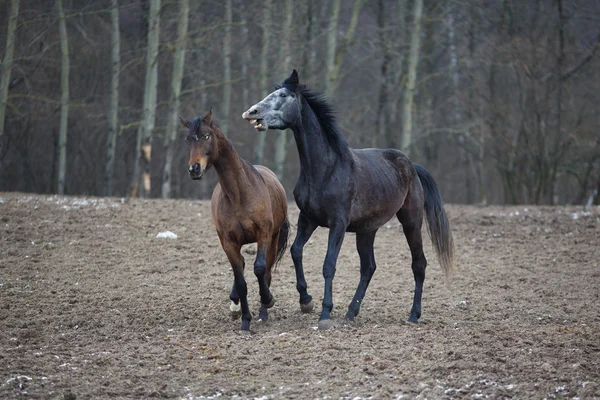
(316, 155)
(233, 176)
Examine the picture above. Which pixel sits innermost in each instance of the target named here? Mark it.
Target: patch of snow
(166, 235)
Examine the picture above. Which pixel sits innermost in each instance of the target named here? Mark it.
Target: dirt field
(93, 305)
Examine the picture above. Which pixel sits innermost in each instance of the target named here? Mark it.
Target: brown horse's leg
(236, 260)
(411, 218)
(270, 259)
(364, 245)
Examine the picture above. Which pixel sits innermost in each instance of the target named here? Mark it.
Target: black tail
(437, 221)
(284, 233)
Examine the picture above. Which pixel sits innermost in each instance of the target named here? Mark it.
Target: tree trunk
(174, 101)
(335, 54)
(6, 66)
(308, 52)
(64, 99)
(144, 133)
(113, 108)
(332, 32)
(409, 91)
(382, 117)
(259, 153)
(281, 139)
(226, 69)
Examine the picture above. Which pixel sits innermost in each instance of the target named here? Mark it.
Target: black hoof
(412, 320)
(263, 314)
(326, 324)
(245, 333)
(306, 308)
(270, 304)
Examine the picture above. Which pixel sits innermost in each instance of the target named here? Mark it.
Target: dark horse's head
(280, 109)
(203, 144)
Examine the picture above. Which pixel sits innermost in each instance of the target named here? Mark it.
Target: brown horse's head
(203, 144)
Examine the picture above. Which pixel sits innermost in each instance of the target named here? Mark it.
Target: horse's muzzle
(196, 171)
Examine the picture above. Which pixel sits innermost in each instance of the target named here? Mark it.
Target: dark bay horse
(350, 190)
(248, 205)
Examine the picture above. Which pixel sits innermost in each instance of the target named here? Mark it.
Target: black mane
(325, 113)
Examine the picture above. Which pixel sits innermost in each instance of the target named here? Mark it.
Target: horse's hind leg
(262, 272)
(364, 245)
(263, 314)
(411, 218)
(306, 227)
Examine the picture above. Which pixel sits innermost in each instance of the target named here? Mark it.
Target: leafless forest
(499, 99)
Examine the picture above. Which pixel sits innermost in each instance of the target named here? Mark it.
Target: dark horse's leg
(336, 237)
(411, 219)
(265, 258)
(237, 264)
(306, 227)
(364, 245)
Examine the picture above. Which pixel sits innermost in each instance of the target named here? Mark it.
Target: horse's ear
(185, 122)
(291, 82)
(208, 116)
(294, 76)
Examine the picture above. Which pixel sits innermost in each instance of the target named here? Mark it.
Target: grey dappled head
(280, 109)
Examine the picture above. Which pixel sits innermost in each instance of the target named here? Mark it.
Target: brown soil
(93, 305)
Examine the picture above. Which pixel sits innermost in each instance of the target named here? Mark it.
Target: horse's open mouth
(258, 124)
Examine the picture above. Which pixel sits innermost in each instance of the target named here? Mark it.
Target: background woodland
(499, 99)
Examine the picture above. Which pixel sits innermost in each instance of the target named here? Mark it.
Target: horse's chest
(315, 207)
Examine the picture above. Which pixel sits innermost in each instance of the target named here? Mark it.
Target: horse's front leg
(306, 227)
(235, 307)
(336, 237)
(260, 270)
(237, 264)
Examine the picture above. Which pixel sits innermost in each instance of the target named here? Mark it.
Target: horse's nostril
(253, 111)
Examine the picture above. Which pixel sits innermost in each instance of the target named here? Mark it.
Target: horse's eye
(282, 95)
(206, 137)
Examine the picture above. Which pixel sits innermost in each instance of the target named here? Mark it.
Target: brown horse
(248, 205)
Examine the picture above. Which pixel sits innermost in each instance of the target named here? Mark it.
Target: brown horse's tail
(437, 221)
(284, 233)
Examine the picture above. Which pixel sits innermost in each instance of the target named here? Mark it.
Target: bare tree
(113, 108)
(144, 134)
(409, 91)
(226, 68)
(259, 153)
(7, 64)
(335, 53)
(64, 99)
(174, 101)
(281, 140)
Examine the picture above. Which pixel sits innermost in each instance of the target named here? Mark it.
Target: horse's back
(383, 179)
(276, 190)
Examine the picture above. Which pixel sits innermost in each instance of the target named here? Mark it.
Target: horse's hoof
(412, 320)
(325, 324)
(236, 310)
(271, 303)
(245, 333)
(263, 315)
(306, 308)
(350, 323)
